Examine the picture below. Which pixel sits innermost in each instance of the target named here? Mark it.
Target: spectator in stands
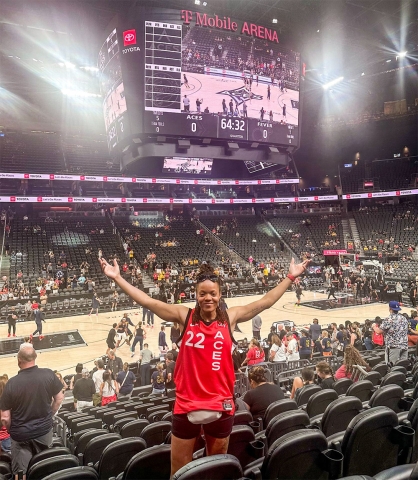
(395, 331)
(77, 376)
(256, 323)
(305, 346)
(115, 301)
(292, 349)
(412, 331)
(262, 393)
(367, 335)
(111, 338)
(315, 330)
(145, 357)
(98, 374)
(255, 353)
(278, 350)
(307, 378)
(108, 389)
(204, 326)
(29, 401)
(355, 337)
(125, 380)
(5, 440)
(351, 357)
(170, 367)
(174, 350)
(84, 389)
(162, 343)
(324, 372)
(175, 333)
(114, 363)
(158, 379)
(326, 344)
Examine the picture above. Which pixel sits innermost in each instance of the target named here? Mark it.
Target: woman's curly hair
(352, 357)
(207, 272)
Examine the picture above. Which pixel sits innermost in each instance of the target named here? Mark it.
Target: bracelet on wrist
(291, 277)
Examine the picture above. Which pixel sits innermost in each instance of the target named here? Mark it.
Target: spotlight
(387, 61)
(233, 146)
(402, 54)
(204, 4)
(362, 74)
(318, 31)
(274, 20)
(326, 86)
(197, 2)
(182, 143)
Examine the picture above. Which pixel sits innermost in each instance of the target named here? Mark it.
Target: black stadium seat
(133, 428)
(95, 447)
(341, 385)
(284, 423)
(75, 473)
(389, 396)
(117, 455)
(362, 390)
(303, 394)
(47, 466)
(279, 406)
(48, 453)
(216, 467)
(319, 401)
(152, 463)
(339, 414)
(156, 433)
(393, 378)
(372, 442)
(302, 454)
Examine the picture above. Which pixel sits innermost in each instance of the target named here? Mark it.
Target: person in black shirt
(174, 351)
(170, 366)
(29, 401)
(84, 390)
(324, 372)
(139, 338)
(262, 394)
(305, 346)
(111, 344)
(11, 322)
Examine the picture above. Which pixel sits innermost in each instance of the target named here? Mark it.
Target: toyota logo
(129, 37)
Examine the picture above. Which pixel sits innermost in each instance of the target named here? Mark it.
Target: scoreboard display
(188, 74)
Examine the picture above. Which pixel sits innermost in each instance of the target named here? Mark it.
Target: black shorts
(111, 345)
(183, 428)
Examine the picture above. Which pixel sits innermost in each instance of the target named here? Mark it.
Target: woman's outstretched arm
(247, 312)
(169, 313)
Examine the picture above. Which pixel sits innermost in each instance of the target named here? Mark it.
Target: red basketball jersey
(204, 372)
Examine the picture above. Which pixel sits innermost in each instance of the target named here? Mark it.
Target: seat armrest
(253, 470)
(335, 440)
(80, 459)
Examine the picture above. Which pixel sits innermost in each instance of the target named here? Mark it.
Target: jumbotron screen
(190, 74)
(191, 166)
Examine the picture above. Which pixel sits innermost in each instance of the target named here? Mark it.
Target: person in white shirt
(292, 348)
(278, 350)
(98, 375)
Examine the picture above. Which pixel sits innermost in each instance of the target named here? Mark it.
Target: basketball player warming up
(204, 369)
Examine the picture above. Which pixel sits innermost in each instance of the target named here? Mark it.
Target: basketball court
(94, 330)
(213, 89)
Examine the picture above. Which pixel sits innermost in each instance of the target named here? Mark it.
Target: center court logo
(129, 37)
